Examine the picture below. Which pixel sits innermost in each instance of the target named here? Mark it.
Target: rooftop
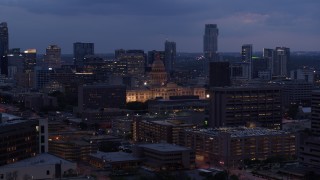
(240, 131)
(164, 147)
(115, 156)
(39, 160)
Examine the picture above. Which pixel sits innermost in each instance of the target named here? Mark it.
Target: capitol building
(159, 87)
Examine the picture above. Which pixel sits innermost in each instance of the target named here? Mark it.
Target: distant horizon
(145, 24)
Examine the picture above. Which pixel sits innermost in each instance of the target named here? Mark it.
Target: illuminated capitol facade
(161, 88)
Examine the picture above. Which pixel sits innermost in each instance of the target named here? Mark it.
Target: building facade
(22, 139)
(237, 106)
(158, 131)
(99, 96)
(164, 92)
(4, 47)
(52, 58)
(165, 156)
(80, 51)
(210, 42)
(170, 55)
(231, 146)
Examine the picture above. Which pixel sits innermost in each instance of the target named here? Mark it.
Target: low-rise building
(42, 166)
(165, 156)
(114, 161)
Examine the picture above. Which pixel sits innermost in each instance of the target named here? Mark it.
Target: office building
(240, 105)
(158, 131)
(210, 42)
(30, 60)
(219, 74)
(170, 56)
(15, 62)
(281, 60)
(52, 58)
(258, 65)
(268, 54)
(315, 112)
(118, 53)
(240, 71)
(229, 147)
(115, 161)
(80, 51)
(135, 62)
(246, 56)
(98, 96)
(21, 139)
(302, 74)
(246, 53)
(165, 156)
(4, 48)
(309, 143)
(296, 92)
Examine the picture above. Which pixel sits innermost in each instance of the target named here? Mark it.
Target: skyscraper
(268, 54)
(80, 51)
(246, 57)
(210, 42)
(170, 55)
(52, 57)
(280, 63)
(4, 48)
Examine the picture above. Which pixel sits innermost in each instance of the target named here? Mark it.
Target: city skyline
(146, 25)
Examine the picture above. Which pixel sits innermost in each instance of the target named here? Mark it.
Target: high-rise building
(119, 52)
(258, 64)
(135, 61)
(15, 62)
(170, 55)
(4, 48)
(30, 60)
(219, 74)
(281, 60)
(309, 143)
(268, 54)
(315, 112)
(52, 57)
(246, 56)
(80, 51)
(210, 42)
(246, 53)
(238, 106)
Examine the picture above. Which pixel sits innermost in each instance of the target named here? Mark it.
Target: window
(42, 129)
(48, 172)
(42, 139)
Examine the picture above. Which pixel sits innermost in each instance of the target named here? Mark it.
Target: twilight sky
(146, 24)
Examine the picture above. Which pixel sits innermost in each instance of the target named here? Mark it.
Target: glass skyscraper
(80, 51)
(210, 42)
(170, 55)
(4, 48)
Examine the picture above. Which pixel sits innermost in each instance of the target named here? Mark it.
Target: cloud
(146, 23)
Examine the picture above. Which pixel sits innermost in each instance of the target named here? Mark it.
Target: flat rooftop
(164, 147)
(240, 131)
(115, 156)
(38, 160)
